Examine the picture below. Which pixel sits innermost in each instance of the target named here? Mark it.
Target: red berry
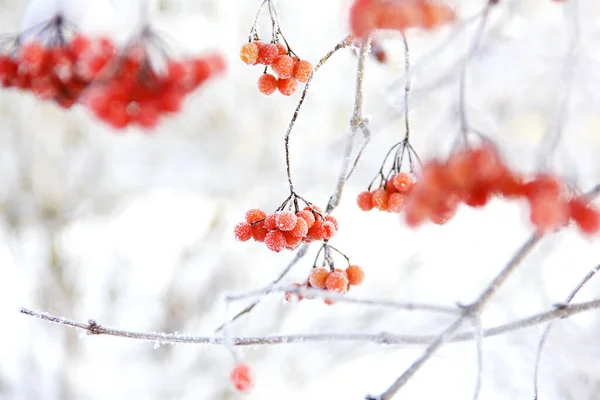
(283, 66)
(275, 241)
(308, 216)
(267, 53)
(318, 276)
(267, 84)
(286, 220)
(282, 49)
(585, 215)
(249, 53)
(316, 232)
(241, 377)
(396, 202)
(380, 199)
(271, 221)
(243, 231)
(301, 228)
(254, 215)
(365, 201)
(291, 241)
(259, 232)
(337, 282)
(287, 87)
(302, 71)
(548, 213)
(403, 182)
(333, 220)
(356, 275)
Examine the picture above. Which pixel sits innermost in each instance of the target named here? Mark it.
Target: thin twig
(478, 333)
(93, 328)
(546, 333)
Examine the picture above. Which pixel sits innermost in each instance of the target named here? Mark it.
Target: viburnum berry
(380, 199)
(267, 53)
(308, 216)
(249, 53)
(267, 84)
(316, 232)
(329, 230)
(275, 240)
(291, 241)
(254, 215)
(283, 66)
(271, 221)
(337, 281)
(403, 182)
(318, 276)
(355, 274)
(241, 377)
(365, 201)
(585, 215)
(286, 220)
(300, 229)
(333, 220)
(243, 231)
(302, 71)
(396, 202)
(287, 87)
(281, 49)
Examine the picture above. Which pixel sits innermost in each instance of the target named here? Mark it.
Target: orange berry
(275, 241)
(291, 241)
(281, 48)
(318, 276)
(308, 216)
(396, 202)
(389, 186)
(302, 70)
(301, 228)
(267, 84)
(403, 182)
(259, 232)
(271, 221)
(365, 201)
(243, 231)
(267, 53)
(254, 215)
(283, 66)
(356, 275)
(286, 220)
(287, 87)
(333, 220)
(316, 232)
(337, 281)
(585, 215)
(329, 229)
(380, 199)
(249, 53)
(241, 377)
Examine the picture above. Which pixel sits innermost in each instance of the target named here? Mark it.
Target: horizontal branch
(93, 328)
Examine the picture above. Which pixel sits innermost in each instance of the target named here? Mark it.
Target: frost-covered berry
(286, 220)
(337, 281)
(271, 221)
(300, 229)
(365, 201)
(241, 377)
(318, 276)
(254, 215)
(356, 275)
(403, 182)
(287, 87)
(249, 53)
(308, 216)
(267, 84)
(243, 231)
(275, 241)
(396, 202)
(283, 66)
(302, 70)
(259, 232)
(282, 49)
(267, 53)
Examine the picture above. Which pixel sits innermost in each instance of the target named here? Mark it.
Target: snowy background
(135, 229)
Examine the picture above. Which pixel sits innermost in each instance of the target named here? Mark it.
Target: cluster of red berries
(474, 175)
(58, 72)
(337, 281)
(368, 15)
(120, 89)
(241, 377)
(289, 70)
(391, 196)
(286, 229)
(134, 93)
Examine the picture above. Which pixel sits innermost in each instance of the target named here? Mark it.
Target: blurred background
(134, 229)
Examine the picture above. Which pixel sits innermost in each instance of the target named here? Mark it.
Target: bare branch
(478, 332)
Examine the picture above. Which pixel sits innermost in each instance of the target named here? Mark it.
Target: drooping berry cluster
(286, 229)
(287, 68)
(368, 15)
(134, 93)
(120, 87)
(475, 175)
(241, 377)
(337, 281)
(390, 197)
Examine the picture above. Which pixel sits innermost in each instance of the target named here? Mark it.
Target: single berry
(318, 276)
(403, 182)
(287, 87)
(267, 84)
(267, 53)
(271, 221)
(333, 220)
(356, 275)
(302, 70)
(259, 232)
(301, 228)
(243, 231)
(254, 215)
(316, 232)
(283, 66)
(329, 229)
(286, 220)
(249, 53)
(241, 377)
(308, 216)
(396, 202)
(275, 241)
(291, 241)
(585, 215)
(337, 282)
(281, 48)
(380, 199)
(365, 201)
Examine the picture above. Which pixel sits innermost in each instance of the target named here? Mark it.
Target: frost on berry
(259, 232)
(275, 241)
(300, 229)
(249, 53)
(241, 377)
(318, 276)
(291, 241)
(286, 220)
(337, 281)
(302, 70)
(254, 215)
(329, 230)
(287, 87)
(283, 66)
(271, 221)
(365, 201)
(308, 216)
(243, 231)
(316, 232)
(396, 202)
(267, 53)
(281, 49)
(267, 84)
(355, 274)
(403, 182)
(380, 199)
